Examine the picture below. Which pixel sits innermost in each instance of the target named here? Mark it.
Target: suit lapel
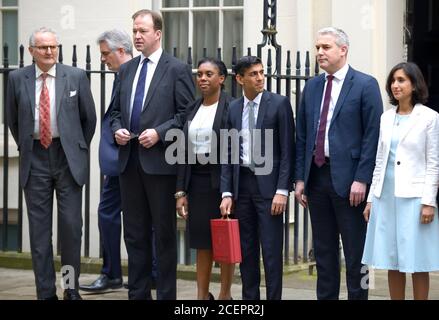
(219, 114)
(60, 83)
(131, 74)
(411, 122)
(318, 100)
(239, 117)
(159, 72)
(265, 101)
(30, 87)
(347, 85)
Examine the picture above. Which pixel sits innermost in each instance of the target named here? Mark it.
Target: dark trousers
(50, 172)
(148, 202)
(258, 228)
(332, 216)
(109, 222)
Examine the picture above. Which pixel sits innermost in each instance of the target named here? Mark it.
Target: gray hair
(41, 30)
(117, 39)
(341, 38)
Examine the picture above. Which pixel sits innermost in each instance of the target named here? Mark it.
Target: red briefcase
(226, 244)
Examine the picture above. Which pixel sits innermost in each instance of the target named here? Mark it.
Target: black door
(423, 43)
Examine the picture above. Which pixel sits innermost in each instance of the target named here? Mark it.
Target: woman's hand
(427, 214)
(366, 212)
(182, 207)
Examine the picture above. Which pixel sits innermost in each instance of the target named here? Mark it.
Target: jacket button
(398, 163)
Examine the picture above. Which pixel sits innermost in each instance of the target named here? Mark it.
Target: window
(9, 27)
(200, 24)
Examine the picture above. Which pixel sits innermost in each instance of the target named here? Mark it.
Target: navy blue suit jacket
(171, 90)
(353, 132)
(274, 113)
(108, 149)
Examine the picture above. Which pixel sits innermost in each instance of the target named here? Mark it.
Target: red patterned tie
(45, 130)
(319, 158)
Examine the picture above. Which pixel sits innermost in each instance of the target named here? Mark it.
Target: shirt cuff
(227, 194)
(283, 192)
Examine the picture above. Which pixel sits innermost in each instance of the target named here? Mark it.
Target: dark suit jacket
(171, 90)
(220, 122)
(353, 132)
(108, 149)
(76, 117)
(274, 113)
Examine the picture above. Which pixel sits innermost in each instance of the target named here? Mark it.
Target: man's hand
(122, 136)
(299, 191)
(182, 207)
(358, 193)
(226, 206)
(279, 204)
(149, 138)
(366, 212)
(427, 214)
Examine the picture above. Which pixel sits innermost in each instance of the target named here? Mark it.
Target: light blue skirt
(396, 239)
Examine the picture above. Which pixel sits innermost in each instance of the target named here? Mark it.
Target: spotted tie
(45, 130)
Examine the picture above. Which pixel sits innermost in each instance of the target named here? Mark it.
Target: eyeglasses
(45, 48)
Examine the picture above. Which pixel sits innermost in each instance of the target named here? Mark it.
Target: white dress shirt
(152, 65)
(200, 129)
(50, 83)
(337, 84)
(245, 154)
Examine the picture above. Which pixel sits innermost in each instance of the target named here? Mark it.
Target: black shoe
(55, 297)
(211, 297)
(102, 283)
(71, 294)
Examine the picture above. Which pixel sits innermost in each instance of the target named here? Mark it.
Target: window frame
(191, 9)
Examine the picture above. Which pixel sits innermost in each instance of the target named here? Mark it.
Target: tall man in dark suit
(116, 48)
(151, 99)
(336, 142)
(259, 182)
(52, 118)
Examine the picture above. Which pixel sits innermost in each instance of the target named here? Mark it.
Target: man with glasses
(52, 118)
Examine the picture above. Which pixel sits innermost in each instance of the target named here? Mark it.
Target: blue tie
(138, 98)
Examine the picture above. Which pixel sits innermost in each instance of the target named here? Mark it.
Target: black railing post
(87, 184)
(20, 190)
(296, 203)
(102, 113)
(5, 154)
(74, 57)
(269, 70)
(218, 54)
(174, 52)
(21, 61)
(60, 54)
(234, 61)
(204, 53)
(287, 211)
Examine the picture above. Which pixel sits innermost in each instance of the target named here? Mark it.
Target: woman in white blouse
(198, 181)
(403, 230)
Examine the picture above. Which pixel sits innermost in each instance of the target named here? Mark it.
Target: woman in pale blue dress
(403, 231)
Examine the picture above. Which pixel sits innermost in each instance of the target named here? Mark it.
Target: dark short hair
(420, 89)
(156, 18)
(222, 69)
(245, 63)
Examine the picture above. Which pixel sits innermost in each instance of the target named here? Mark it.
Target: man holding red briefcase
(259, 180)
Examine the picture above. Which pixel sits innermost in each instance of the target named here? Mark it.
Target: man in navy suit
(150, 100)
(259, 182)
(116, 48)
(336, 142)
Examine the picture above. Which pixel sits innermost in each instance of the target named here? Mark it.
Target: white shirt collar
(39, 72)
(340, 75)
(154, 57)
(256, 100)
